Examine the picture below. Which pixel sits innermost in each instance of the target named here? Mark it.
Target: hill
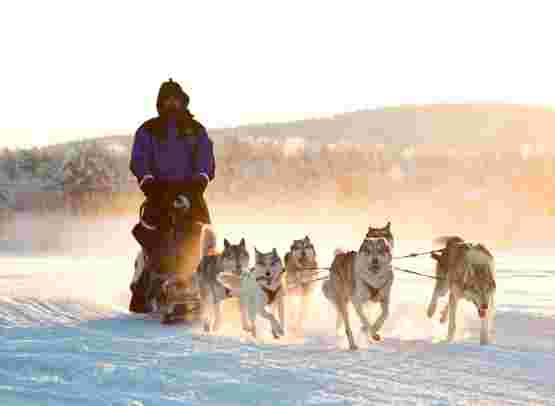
(499, 126)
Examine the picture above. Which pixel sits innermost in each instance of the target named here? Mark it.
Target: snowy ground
(67, 339)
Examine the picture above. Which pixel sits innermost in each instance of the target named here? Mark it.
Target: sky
(78, 69)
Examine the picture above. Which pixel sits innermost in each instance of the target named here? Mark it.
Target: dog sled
(163, 285)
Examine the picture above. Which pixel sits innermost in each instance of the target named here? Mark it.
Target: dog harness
(373, 293)
(271, 294)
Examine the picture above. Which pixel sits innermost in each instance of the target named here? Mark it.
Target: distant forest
(467, 160)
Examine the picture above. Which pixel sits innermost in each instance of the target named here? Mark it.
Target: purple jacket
(171, 159)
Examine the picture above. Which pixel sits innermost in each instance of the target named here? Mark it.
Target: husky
(233, 259)
(360, 278)
(301, 271)
(465, 270)
(385, 232)
(260, 287)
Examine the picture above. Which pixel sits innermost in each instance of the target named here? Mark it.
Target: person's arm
(141, 165)
(206, 165)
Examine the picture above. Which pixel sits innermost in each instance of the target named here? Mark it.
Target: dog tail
(208, 241)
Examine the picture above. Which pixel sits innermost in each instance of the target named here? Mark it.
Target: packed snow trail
(66, 338)
(123, 360)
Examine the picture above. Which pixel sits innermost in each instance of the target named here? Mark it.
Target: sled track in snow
(72, 356)
(66, 338)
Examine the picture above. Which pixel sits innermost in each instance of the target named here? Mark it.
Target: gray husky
(301, 271)
(234, 259)
(360, 278)
(466, 271)
(385, 232)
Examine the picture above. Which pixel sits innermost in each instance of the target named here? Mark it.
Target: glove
(148, 185)
(154, 188)
(201, 182)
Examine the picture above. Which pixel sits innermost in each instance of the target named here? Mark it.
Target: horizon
(68, 135)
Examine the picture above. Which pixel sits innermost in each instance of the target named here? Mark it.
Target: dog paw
(444, 314)
(277, 331)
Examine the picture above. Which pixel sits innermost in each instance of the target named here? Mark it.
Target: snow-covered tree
(88, 166)
(28, 163)
(51, 173)
(8, 165)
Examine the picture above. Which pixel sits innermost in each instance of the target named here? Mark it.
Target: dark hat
(171, 88)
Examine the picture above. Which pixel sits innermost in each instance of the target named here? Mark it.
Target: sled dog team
(463, 269)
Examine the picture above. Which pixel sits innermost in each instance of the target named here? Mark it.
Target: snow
(66, 338)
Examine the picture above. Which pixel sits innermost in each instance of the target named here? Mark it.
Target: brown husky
(362, 277)
(466, 271)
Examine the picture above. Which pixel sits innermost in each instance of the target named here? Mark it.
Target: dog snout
(268, 274)
(375, 261)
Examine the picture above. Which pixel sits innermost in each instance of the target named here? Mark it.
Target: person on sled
(173, 160)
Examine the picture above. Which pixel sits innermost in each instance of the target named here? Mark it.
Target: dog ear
(226, 243)
(388, 225)
(242, 242)
(306, 238)
(274, 251)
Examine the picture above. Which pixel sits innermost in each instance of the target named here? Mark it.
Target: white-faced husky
(258, 289)
(359, 278)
